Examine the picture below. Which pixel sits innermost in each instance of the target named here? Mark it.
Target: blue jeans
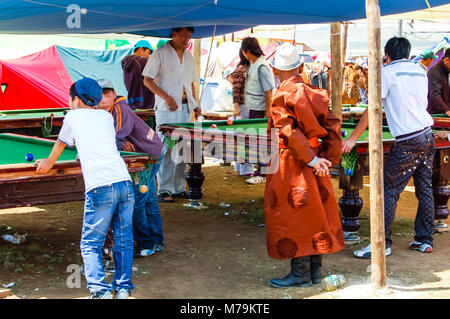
(105, 205)
(147, 225)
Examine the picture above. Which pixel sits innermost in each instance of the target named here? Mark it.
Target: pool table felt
(27, 114)
(18, 146)
(43, 113)
(260, 125)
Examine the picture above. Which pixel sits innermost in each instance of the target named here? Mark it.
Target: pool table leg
(441, 189)
(351, 203)
(194, 178)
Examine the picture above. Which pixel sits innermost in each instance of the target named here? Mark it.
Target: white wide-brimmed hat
(287, 58)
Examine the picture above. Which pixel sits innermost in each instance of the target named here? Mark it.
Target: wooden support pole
(377, 239)
(344, 42)
(197, 60)
(336, 69)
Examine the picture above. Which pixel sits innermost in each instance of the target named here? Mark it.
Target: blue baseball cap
(161, 43)
(89, 91)
(143, 44)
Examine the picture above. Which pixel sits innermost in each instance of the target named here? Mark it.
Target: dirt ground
(215, 252)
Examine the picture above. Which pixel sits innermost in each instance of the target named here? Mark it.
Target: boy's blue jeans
(111, 204)
(147, 224)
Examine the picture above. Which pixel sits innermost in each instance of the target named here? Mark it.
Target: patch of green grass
(11, 259)
(32, 248)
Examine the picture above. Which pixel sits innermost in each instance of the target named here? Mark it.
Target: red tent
(39, 80)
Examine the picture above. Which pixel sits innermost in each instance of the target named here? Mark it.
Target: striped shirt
(239, 76)
(130, 127)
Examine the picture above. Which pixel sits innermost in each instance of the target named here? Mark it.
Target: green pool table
(20, 185)
(441, 121)
(246, 140)
(353, 113)
(44, 122)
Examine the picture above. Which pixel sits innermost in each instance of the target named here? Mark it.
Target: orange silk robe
(302, 216)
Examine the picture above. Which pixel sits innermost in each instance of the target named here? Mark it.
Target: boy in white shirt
(404, 88)
(109, 193)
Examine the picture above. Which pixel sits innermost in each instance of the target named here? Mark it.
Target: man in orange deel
(302, 217)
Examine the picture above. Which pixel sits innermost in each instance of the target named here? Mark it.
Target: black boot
(300, 275)
(316, 263)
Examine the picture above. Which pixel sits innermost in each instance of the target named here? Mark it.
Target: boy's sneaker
(150, 251)
(122, 294)
(366, 252)
(423, 247)
(158, 247)
(102, 294)
(256, 180)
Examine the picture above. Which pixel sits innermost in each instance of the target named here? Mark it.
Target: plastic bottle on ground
(15, 239)
(333, 282)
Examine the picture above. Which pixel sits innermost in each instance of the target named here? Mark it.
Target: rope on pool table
(47, 128)
(348, 162)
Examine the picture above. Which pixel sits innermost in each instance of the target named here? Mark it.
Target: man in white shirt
(171, 75)
(404, 88)
(109, 191)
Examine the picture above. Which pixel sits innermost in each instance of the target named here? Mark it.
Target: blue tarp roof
(96, 64)
(157, 17)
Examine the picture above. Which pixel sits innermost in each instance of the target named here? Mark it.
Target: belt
(412, 134)
(313, 142)
(184, 101)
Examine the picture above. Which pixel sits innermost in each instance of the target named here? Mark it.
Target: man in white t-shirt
(109, 197)
(404, 88)
(171, 75)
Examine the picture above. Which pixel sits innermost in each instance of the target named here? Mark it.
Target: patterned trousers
(413, 157)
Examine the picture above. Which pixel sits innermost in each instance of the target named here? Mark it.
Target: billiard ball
(214, 126)
(143, 189)
(52, 114)
(344, 133)
(348, 172)
(65, 112)
(29, 157)
(230, 122)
